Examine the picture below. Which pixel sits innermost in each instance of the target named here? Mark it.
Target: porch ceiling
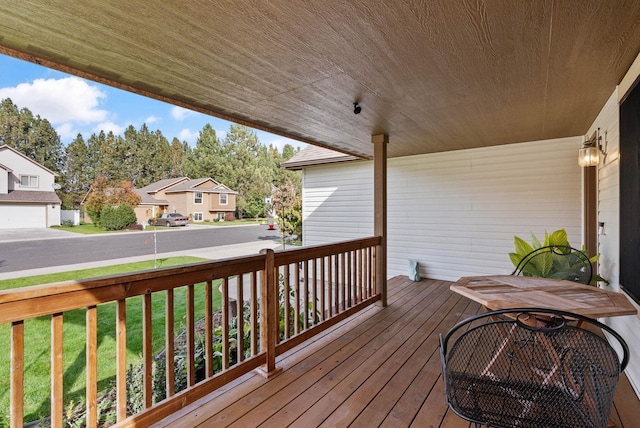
(435, 75)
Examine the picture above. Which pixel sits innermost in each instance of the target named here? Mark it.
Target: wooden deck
(378, 368)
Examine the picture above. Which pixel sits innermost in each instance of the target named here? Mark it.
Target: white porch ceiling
(435, 75)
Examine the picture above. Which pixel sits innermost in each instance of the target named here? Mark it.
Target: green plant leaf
(515, 258)
(559, 237)
(543, 263)
(535, 241)
(522, 247)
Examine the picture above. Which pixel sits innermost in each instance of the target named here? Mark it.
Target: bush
(117, 218)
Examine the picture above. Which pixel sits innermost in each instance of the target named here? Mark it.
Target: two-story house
(200, 199)
(27, 192)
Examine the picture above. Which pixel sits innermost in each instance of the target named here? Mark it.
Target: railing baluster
(361, 274)
(286, 291)
(191, 337)
(208, 328)
(330, 285)
(323, 302)
(225, 323)
(296, 300)
(121, 360)
(305, 308)
(314, 290)
(170, 343)
(147, 351)
(367, 261)
(92, 366)
(351, 278)
(337, 284)
(240, 319)
(57, 371)
(343, 279)
(254, 313)
(374, 270)
(17, 374)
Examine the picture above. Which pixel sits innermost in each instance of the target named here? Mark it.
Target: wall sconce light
(589, 154)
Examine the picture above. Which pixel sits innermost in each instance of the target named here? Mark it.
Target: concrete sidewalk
(212, 253)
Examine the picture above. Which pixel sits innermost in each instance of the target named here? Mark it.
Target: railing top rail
(283, 257)
(39, 300)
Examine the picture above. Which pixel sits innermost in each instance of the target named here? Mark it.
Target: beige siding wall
(609, 242)
(454, 212)
(214, 203)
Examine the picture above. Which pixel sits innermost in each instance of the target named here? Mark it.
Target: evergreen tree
(78, 173)
(208, 158)
(248, 169)
(177, 154)
(32, 136)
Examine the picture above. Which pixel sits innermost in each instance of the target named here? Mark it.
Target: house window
(223, 199)
(28, 181)
(197, 198)
(197, 216)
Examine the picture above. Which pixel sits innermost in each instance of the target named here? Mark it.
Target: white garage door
(22, 216)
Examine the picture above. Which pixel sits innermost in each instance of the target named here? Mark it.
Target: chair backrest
(531, 368)
(556, 261)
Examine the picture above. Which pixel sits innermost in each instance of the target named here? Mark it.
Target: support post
(269, 319)
(380, 143)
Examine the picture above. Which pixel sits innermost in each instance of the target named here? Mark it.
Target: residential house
(202, 199)
(468, 117)
(27, 192)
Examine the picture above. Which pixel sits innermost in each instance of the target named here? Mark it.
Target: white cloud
(61, 101)
(151, 119)
(179, 113)
(67, 131)
(188, 136)
(109, 126)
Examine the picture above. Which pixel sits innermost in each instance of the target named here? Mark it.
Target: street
(32, 254)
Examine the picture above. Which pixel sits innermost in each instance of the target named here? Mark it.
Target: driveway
(35, 234)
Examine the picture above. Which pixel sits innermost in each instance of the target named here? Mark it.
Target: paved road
(31, 254)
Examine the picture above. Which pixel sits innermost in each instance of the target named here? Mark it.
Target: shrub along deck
(380, 367)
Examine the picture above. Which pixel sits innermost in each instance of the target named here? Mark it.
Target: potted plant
(550, 260)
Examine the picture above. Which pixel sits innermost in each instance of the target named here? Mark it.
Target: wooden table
(508, 291)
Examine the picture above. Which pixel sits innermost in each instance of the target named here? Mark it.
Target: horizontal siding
(609, 244)
(454, 212)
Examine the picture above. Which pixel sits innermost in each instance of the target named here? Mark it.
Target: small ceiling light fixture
(589, 154)
(356, 108)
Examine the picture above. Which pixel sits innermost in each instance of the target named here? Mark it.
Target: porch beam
(380, 143)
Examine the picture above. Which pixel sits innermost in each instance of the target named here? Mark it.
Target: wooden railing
(309, 289)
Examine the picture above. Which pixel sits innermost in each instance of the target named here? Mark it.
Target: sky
(74, 105)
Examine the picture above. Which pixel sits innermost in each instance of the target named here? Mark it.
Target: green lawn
(90, 229)
(37, 338)
(85, 229)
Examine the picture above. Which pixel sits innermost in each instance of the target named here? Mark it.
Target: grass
(37, 338)
(91, 229)
(84, 228)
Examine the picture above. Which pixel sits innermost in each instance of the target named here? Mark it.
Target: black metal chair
(530, 368)
(556, 261)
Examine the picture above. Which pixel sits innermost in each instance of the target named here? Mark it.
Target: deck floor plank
(352, 352)
(380, 367)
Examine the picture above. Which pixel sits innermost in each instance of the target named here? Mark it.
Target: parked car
(170, 219)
